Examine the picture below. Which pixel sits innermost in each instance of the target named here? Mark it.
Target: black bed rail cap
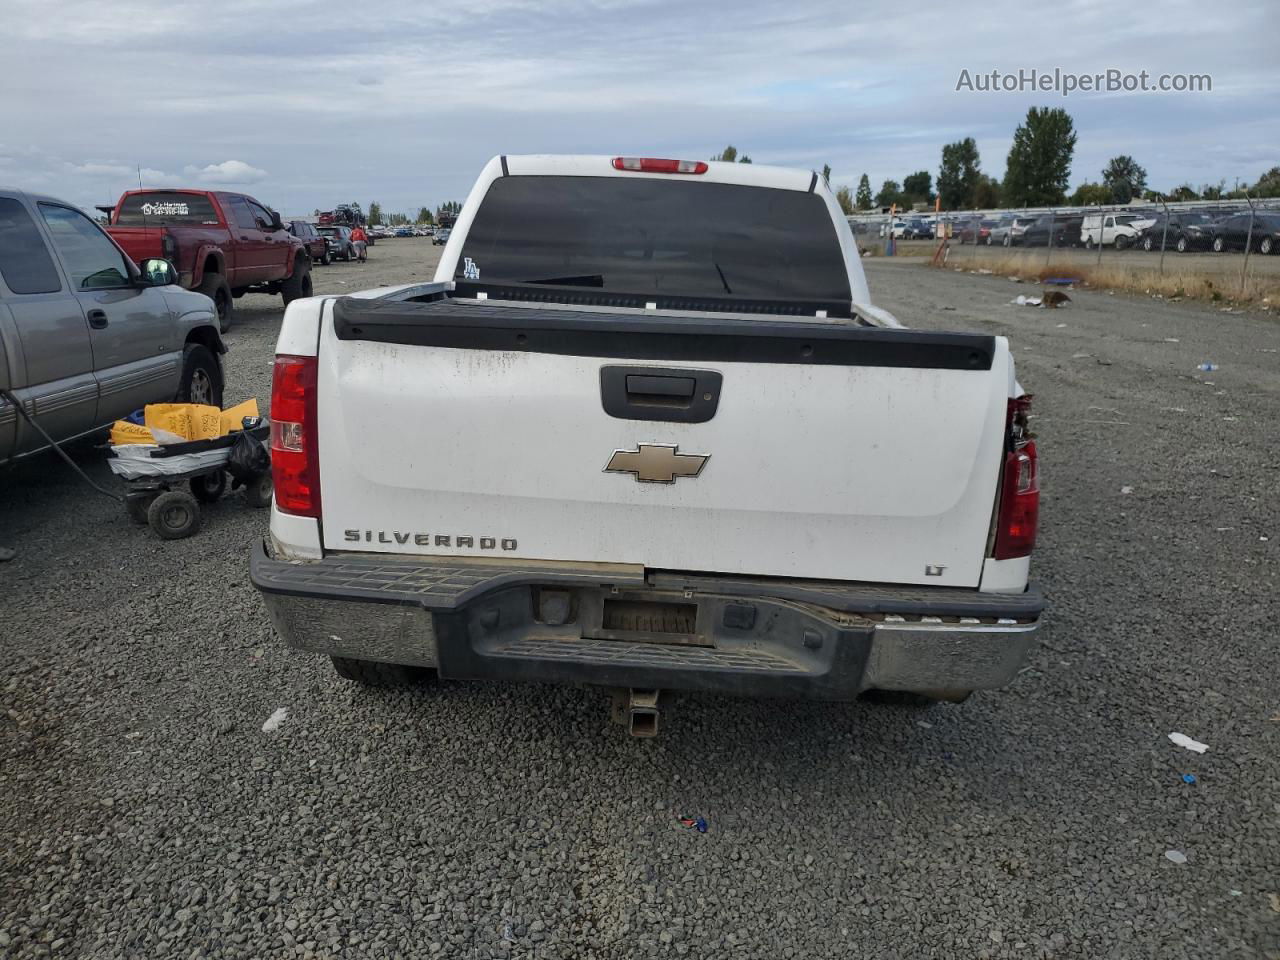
(473, 325)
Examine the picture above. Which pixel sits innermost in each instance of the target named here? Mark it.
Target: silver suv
(86, 336)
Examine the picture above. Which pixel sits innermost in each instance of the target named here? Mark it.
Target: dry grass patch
(1218, 286)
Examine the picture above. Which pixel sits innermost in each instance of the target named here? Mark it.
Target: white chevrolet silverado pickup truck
(645, 430)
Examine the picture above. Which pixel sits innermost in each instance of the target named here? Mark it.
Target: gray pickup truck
(86, 336)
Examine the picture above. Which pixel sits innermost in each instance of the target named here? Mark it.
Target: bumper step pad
(617, 653)
(433, 584)
(445, 584)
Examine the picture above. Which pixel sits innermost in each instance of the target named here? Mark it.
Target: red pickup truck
(223, 245)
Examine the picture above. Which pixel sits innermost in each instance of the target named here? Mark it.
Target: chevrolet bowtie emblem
(656, 463)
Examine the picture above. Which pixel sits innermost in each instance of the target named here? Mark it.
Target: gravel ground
(144, 813)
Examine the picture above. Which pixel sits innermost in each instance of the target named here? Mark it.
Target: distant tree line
(1037, 173)
(377, 218)
(730, 155)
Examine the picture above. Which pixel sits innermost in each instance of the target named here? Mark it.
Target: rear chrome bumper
(754, 636)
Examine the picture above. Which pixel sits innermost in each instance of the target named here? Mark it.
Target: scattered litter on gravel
(1182, 740)
(272, 723)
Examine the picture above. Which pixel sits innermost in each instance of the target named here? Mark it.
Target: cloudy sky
(307, 105)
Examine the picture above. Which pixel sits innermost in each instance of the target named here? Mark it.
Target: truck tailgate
(771, 447)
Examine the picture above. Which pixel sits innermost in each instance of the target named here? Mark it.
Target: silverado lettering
(426, 539)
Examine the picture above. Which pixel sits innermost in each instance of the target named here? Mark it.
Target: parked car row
(906, 228)
(372, 234)
(1009, 230)
(1233, 232)
(1182, 231)
(1217, 230)
(387, 233)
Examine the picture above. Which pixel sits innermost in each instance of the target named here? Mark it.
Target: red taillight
(295, 456)
(1019, 512)
(658, 165)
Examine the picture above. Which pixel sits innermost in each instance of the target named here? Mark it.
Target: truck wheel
(1121, 242)
(325, 259)
(201, 377)
(299, 284)
(208, 488)
(215, 287)
(174, 515)
(258, 491)
(373, 673)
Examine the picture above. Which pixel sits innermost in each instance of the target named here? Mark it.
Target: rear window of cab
(142, 209)
(656, 235)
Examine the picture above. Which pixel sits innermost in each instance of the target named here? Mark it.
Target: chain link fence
(1215, 250)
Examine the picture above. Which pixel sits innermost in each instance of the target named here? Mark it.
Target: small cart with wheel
(167, 484)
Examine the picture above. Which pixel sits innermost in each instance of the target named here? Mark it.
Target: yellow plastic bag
(123, 433)
(232, 419)
(191, 421)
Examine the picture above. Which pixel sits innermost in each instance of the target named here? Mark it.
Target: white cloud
(94, 169)
(158, 178)
(228, 171)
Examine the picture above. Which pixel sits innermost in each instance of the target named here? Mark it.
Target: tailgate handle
(639, 387)
(674, 395)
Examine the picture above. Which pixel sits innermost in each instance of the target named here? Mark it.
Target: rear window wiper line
(583, 280)
(722, 279)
